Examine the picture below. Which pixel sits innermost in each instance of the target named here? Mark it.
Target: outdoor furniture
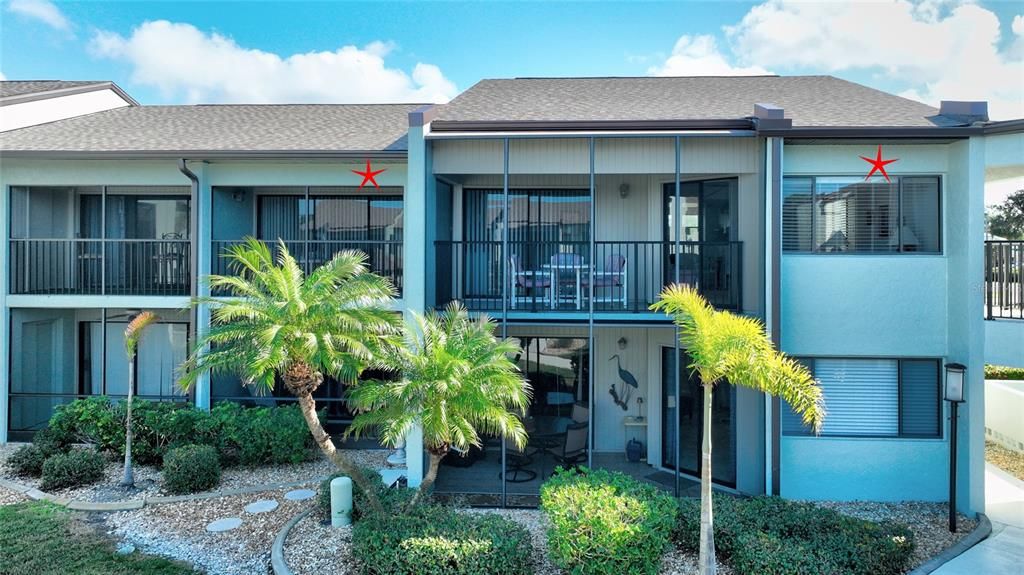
(566, 270)
(573, 450)
(517, 462)
(580, 413)
(525, 280)
(612, 276)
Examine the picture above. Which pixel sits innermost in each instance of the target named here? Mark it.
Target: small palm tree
(454, 378)
(280, 322)
(725, 347)
(132, 335)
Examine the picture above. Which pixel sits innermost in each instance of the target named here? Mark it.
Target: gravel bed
(1008, 460)
(928, 521)
(313, 548)
(178, 531)
(149, 480)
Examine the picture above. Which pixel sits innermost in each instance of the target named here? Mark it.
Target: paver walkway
(1003, 551)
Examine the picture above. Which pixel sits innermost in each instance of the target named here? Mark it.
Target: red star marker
(370, 175)
(878, 164)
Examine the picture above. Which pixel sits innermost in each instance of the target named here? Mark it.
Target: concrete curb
(277, 562)
(132, 504)
(983, 530)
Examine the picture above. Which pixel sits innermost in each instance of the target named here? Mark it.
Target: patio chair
(573, 451)
(580, 413)
(613, 276)
(525, 280)
(517, 462)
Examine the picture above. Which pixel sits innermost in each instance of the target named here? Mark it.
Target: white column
(414, 270)
(5, 313)
(204, 244)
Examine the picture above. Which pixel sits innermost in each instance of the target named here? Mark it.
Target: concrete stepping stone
(224, 525)
(300, 494)
(261, 506)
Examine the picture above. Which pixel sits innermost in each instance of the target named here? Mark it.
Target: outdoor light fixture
(622, 343)
(953, 392)
(623, 190)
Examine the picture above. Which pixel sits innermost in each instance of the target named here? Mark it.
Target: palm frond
(133, 332)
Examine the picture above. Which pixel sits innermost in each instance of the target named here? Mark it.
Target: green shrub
(93, 420)
(191, 468)
(27, 461)
(1003, 372)
(606, 522)
(72, 469)
(51, 441)
(437, 540)
(393, 500)
(262, 435)
(774, 536)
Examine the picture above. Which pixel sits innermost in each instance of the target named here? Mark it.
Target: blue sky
(184, 52)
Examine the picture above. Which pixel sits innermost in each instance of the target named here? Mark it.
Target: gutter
(34, 96)
(193, 231)
(206, 154)
(589, 126)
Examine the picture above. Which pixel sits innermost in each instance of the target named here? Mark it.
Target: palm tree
(280, 322)
(454, 378)
(727, 347)
(132, 335)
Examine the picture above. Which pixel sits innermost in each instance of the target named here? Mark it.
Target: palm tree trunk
(129, 476)
(707, 530)
(429, 479)
(308, 407)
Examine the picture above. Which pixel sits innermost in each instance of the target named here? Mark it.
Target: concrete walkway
(1003, 551)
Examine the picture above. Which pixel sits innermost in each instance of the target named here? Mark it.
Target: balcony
(544, 277)
(1004, 279)
(98, 266)
(384, 256)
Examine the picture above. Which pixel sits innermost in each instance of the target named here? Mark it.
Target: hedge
(1003, 372)
(191, 468)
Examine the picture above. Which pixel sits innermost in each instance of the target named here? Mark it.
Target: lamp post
(953, 392)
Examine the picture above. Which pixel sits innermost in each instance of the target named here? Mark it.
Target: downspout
(193, 232)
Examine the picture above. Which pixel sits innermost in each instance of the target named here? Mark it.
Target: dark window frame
(809, 361)
(899, 228)
(311, 199)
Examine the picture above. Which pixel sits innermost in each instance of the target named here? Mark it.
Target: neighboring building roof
(17, 91)
(810, 101)
(221, 131)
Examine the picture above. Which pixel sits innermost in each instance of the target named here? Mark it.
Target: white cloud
(936, 49)
(2, 77)
(699, 56)
(178, 58)
(41, 10)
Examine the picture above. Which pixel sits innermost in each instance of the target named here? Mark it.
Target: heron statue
(622, 394)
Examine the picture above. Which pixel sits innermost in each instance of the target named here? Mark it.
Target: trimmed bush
(606, 523)
(773, 536)
(437, 540)
(72, 469)
(27, 461)
(262, 435)
(51, 441)
(1003, 372)
(191, 468)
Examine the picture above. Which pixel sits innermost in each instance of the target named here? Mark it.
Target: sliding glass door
(682, 421)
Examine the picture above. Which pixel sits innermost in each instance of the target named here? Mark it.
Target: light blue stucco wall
(1004, 342)
(888, 306)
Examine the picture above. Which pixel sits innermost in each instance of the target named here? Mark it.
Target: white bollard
(341, 501)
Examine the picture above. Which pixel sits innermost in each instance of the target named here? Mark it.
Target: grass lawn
(1009, 461)
(42, 539)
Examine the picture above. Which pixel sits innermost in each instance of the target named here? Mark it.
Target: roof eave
(588, 125)
(48, 94)
(873, 132)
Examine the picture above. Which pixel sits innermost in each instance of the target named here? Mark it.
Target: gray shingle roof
(222, 128)
(10, 88)
(810, 101)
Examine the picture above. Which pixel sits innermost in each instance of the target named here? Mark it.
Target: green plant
(606, 523)
(72, 469)
(280, 323)
(132, 335)
(93, 420)
(454, 378)
(393, 499)
(1003, 372)
(262, 435)
(51, 441)
(191, 468)
(773, 536)
(27, 461)
(725, 347)
(437, 540)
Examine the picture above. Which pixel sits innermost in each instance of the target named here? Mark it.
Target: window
(327, 216)
(849, 215)
(875, 398)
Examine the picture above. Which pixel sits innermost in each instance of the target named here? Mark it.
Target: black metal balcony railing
(1004, 279)
(385, 256)
(556, 276)
(100, 266)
